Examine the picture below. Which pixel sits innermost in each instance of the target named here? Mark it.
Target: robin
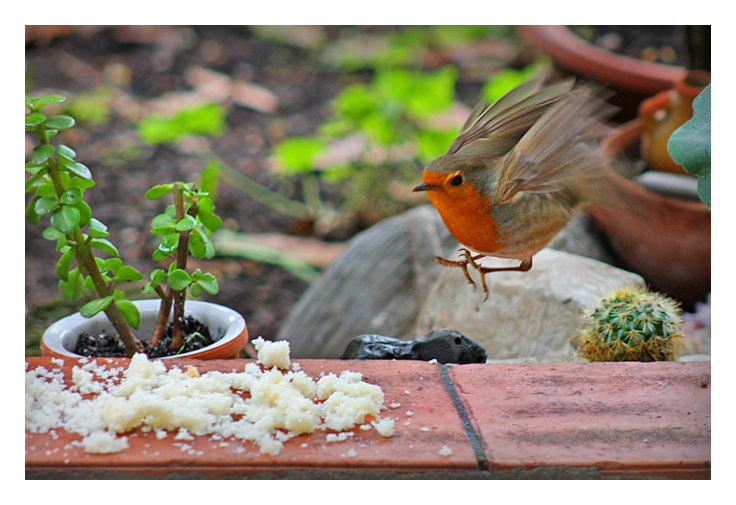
(517, 172)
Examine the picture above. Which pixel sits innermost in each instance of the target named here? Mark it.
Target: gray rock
(383, 277)
(375, 286)
(528, 314)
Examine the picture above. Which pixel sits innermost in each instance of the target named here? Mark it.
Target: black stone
(444, 345)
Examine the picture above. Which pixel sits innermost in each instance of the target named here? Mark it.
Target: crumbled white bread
(445, 451)
(385, 427)
(273, 354)
(282, 404)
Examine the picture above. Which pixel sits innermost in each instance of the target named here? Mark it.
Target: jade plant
(631, 324)
(59, 182)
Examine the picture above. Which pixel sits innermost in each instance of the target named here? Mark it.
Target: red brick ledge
(540, 420)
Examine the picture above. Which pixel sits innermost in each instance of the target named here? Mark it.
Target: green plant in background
(207, 119)
(393, 119)
(689, 145)
(631, 324)
(59, 183)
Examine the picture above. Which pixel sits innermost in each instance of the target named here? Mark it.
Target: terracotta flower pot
(226, 326)
(666, 112)
(665, 240)
(633, 79)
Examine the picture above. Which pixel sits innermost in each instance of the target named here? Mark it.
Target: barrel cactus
(631, 324)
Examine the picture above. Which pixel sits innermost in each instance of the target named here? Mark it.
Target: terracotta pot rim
(230, 340)
(622, 72)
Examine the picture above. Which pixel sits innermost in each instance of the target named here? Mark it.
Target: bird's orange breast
(466, 213)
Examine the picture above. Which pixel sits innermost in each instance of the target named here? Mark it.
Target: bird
(518, 171)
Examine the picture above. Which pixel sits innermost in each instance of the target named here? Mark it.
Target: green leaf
(211, 221)
(200, 245)
(94, 307)
(186, 224)
(297, 155)
(66, 152)
(179, 279)
(46, 190)
(167, 246)
(77, 169)
(97, 229)
(51, 233)
(195, 289)
(159, 191)
(71, 196)
(85, 213)
(34, 119)
(113, 265)
(130, 313)
(32, 216)
(46, 100)
(157, 277)
(163, 224)
(42, 153)
(31, 183)
(46, 205)
(208, 282)
(74, 287)
(128, 273)
(59, 122)
(104, 245)
(64, 264)
(65, 218)
(689, 145)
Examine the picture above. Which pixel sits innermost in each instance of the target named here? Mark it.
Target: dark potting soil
(196, 336)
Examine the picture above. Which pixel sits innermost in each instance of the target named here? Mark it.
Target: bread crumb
(445, 451)
(104, 442)
(351, 453)
(148, 396)
(385, 427)
(273, 354)
(339, 437)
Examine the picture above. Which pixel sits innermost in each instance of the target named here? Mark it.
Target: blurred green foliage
(207, 119)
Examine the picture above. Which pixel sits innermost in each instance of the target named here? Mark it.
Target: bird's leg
(523, 267)
(469, 259)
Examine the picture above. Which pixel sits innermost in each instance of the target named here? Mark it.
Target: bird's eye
(457, 180)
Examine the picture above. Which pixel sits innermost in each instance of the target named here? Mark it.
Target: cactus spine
(631, 324)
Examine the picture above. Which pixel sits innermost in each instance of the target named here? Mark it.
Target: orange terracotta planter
(633, 79)
(665, 240)
(227, 327)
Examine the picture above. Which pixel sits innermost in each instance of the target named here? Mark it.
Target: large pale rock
(383, 277)
(375, 286)
(531, 314)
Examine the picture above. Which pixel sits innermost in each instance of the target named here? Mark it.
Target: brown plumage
(517, 171)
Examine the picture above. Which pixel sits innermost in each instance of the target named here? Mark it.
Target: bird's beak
(425, 186)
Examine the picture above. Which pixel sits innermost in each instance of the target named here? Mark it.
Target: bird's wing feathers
(509, 117)
(561, 145)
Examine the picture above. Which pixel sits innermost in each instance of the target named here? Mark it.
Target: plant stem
(163, 314)
(88, 265)
(182, 251)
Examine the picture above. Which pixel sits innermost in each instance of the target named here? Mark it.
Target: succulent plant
(631, 324)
